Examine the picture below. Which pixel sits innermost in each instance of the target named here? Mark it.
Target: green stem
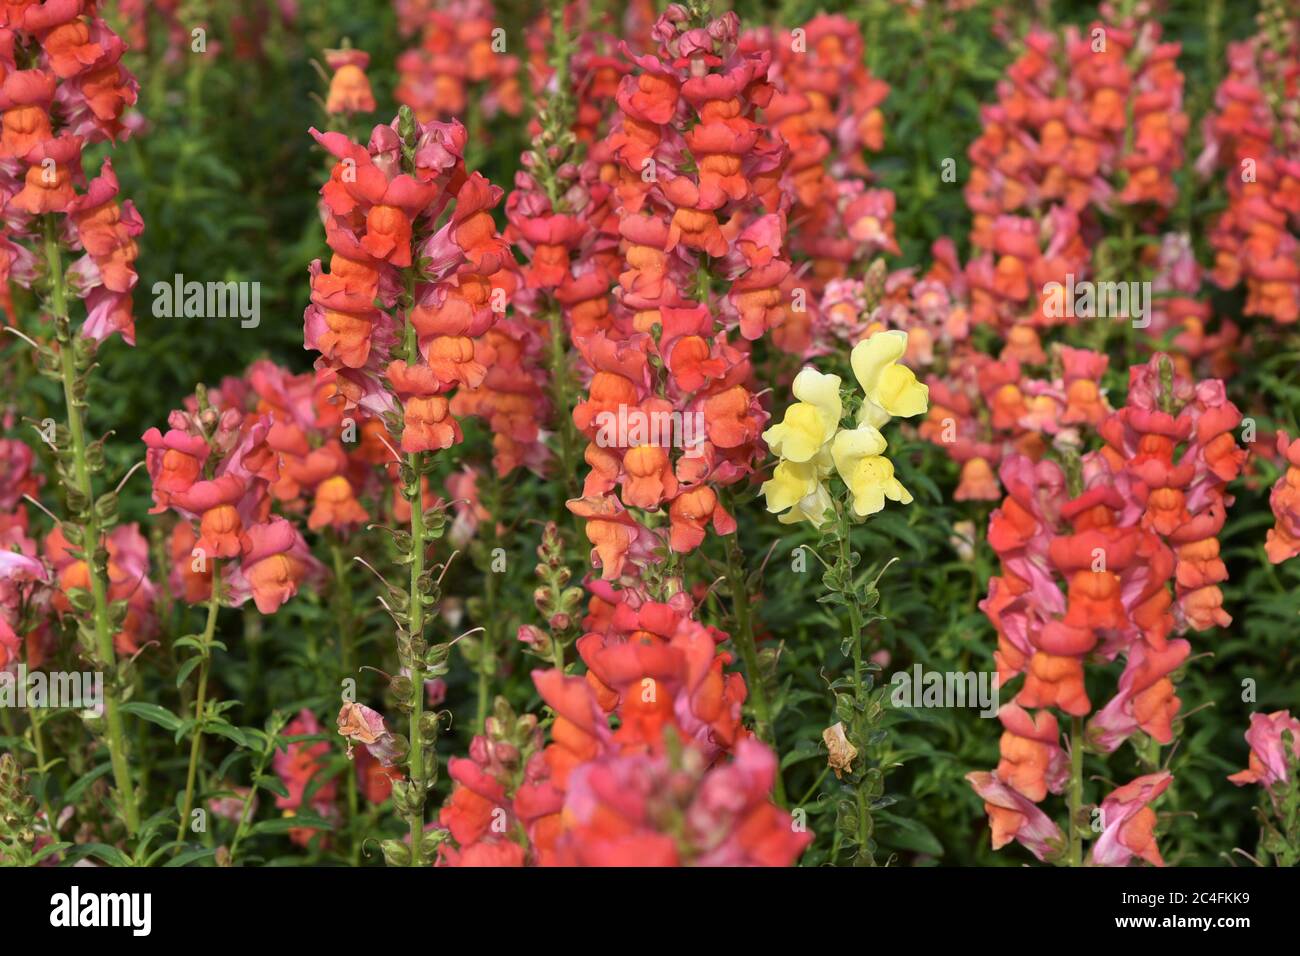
(414, 661)
(343, 614)
(244, 814)
(815, 787)
(855, 616)
(855, 628)
(487, 647)
(90, 531)
(744, 637)
(253, 639)
(562, 399)
(196, 741)
(488, 643)
(38, 744)
(415, 665)
(1076, 790)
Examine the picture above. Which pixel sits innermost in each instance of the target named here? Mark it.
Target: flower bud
(396, 853)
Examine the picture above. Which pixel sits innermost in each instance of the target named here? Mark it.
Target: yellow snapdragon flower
(801, 488)
(891, 389)
(810, 422)
(869, 475)
(811, 445)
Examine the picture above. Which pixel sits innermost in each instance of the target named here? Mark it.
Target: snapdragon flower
(811, 443)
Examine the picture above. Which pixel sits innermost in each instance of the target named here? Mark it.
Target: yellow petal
(872, 414)
(871, 482)
(873, 354)
(851, 445)
(897, 492)
(821, 390)
(811, 508)
(899, 393)
(889, 388)
(801, 434)
(789, 483)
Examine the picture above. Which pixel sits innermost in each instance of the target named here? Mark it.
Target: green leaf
(153, 713)
(75, 791)
(285, 824)
(48, 850)
(904, 833)
(274, 784)
(101, 851)
(186, 669)
(229, 731)
(191, 856)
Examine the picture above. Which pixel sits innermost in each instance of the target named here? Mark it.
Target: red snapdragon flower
(215, 467)
(456, 58)
(63, 88)
(296, 766)
(1284, 537)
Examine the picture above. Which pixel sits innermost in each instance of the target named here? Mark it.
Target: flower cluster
(1283, 540)
(810, 442)
(65, 88)
(825, 106)
(697, 199)
(1084, 125)
(384, 202)
(1118, 526)
(461, 59)
(1174, 440)
(986, 409)
(591, 356)
(327, 458)
(1057, 133)
(215, 466)
(641, 742)
(561, 221)
(1255, 143)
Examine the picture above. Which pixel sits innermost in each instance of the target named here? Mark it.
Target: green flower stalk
(856, 741)
(424, 409)
(410, 795)
(558, 602)
(342, 602)
(743, 633)
(554, 154)
(205, 644)
(267, 741)
(830, 434)
(70, 362)
(483, 651)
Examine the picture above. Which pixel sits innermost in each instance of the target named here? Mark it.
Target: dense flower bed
(710, 437)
